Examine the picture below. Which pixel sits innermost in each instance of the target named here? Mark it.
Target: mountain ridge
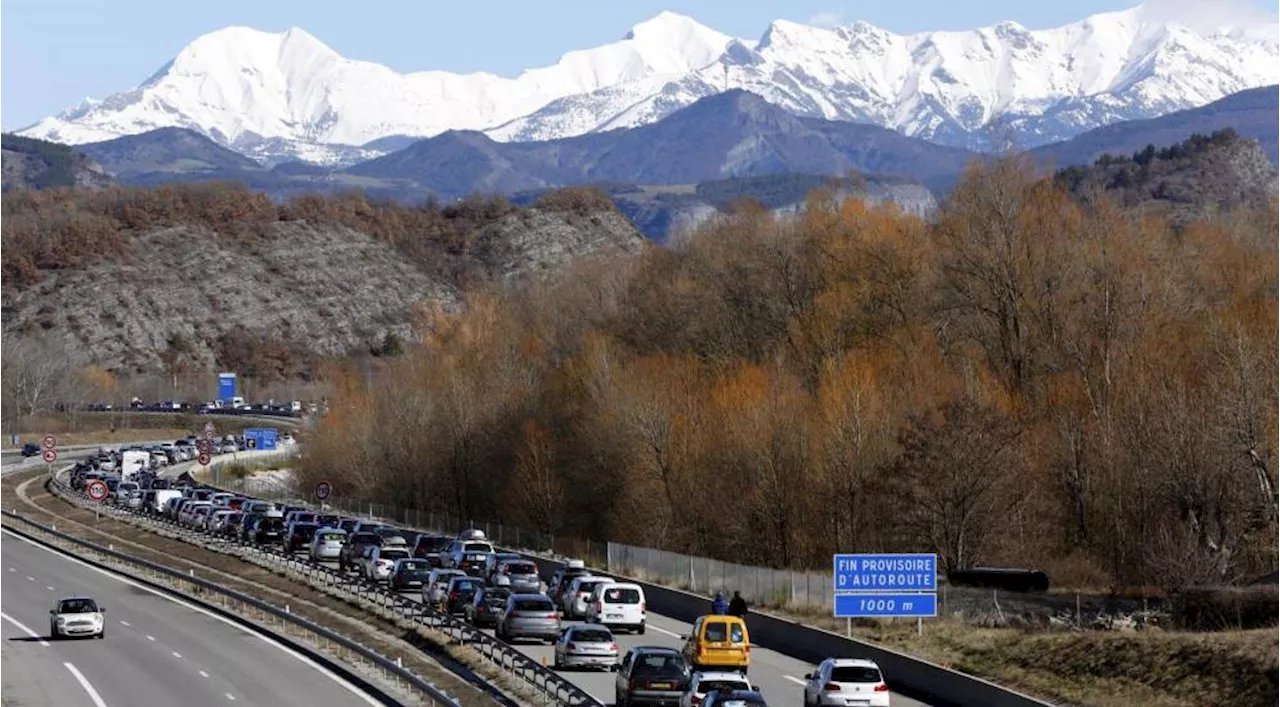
(310, 103)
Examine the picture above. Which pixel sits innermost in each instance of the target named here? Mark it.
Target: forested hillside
(1032, 380)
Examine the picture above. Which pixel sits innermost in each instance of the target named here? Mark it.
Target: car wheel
(53, 632)
(102, 633)
(640, 630)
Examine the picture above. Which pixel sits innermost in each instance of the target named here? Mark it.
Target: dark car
(300, 535)
(486, 605)
(266, 530)
(429, 547)
(30, 449)
(460, 593)
(354, 547)
(409, 574)
(651, 675)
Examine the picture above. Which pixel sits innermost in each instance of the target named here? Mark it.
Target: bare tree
(535, 494)
(36, 375)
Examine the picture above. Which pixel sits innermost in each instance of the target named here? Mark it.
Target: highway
(157, 651)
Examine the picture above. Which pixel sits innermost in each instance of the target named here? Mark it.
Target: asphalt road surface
(156, 651)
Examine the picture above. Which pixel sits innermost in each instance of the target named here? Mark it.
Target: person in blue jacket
(720, 605)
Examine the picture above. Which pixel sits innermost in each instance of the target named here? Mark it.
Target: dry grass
(109, 436)
(1095, 668)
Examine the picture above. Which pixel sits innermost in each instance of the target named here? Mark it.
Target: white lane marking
(203, 674)
(659, 629)
(47, 587)
(124, 623)
(24, 628)
(797, 681)
(12, 569)
(368, 699)
(176, 654)
(30, 578)
(151, 638)
(93, 694)
(230, 696)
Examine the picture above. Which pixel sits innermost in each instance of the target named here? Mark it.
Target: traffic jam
(466, 576)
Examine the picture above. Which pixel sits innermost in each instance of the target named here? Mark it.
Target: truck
(132, 462)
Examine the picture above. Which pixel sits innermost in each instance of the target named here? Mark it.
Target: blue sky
(53, 53)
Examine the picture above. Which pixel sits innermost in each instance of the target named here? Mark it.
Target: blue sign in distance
(226, 386)
(260, 438)
(886, 573)
(886, 605)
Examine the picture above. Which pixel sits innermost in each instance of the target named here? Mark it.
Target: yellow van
(718, 641)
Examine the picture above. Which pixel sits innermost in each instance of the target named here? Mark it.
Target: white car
(377, 563)
(76, 616)
(846, 681)
(618, 605)
(327, 544)
(702, 683)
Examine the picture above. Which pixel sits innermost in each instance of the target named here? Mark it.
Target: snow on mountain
(966, 89)
(277, 96)
(290, 93)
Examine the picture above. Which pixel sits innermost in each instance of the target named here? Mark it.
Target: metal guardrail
(551, 685)
(248, 606)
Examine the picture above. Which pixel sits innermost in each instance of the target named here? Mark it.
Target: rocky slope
(37, 164)
(1202, 174)
(270, 297)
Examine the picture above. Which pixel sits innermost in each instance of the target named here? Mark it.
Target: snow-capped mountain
(278, 96)
(289, 94)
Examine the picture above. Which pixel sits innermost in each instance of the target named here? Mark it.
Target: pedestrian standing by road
(738, 606)
(719, 606)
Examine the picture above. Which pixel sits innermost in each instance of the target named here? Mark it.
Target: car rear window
(625, 595)
(521, 568)
(483, 548)
(393, 553)
(739, 702)
(415, 566)
(496, 596)
(592, 635)
(589, 587)
(855, 673)
(706, 686)
(329, 537)
(659, 664)
(535, 605)
(716, 631)
(271, 524)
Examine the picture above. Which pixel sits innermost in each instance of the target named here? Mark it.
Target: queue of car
(467, 577)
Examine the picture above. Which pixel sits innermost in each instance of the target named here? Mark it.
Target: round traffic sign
(204, 446)
(203, 459)
(208, 428)
(50, 455)
(49, 442)
(97, 489)
(323, 489)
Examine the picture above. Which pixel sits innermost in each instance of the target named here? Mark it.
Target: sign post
(49, 452)
(226, 386)
(886, 586)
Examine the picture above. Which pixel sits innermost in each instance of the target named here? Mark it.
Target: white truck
(132, 462)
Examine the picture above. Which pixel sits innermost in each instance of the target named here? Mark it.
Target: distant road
(156, 652)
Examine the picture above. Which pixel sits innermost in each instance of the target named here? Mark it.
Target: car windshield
(659, 664)
(77, 606)
(855, 673)
(592, 635)
(624, 595)
(589, 587)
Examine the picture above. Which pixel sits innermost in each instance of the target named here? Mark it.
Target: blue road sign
(886, 605)
(886, 573)
(226, 386)
(260, 438)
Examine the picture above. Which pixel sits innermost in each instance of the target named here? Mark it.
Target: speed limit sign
(49, 442)
(203, 459)
(97, 489)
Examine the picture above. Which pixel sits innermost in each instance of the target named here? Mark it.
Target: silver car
(523, 575)
(529, 616)
(586, 647)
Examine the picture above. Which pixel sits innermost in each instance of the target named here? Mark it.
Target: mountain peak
(664, 26)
